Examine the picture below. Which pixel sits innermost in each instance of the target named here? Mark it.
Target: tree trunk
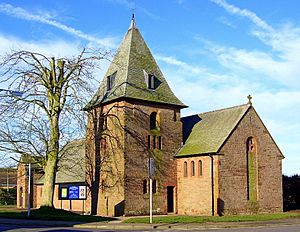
(51, 164)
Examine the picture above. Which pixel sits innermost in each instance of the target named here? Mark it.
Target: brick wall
(105, 158)
(195, 192)
(136, 148)
(126, 157)
(232, 197)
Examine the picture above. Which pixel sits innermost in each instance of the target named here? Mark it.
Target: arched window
(200, 171)
(159, 143)
(144, 186)
(153, 121)
(154, 185)
(193, 168)
(185, 169)
(103, 144)
(251, 154)
(102, 186)
(251, 144)
(104, 122)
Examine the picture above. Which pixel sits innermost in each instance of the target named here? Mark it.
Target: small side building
(229, 164)
(71, 172)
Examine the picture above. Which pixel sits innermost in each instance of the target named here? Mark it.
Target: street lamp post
(7, 180)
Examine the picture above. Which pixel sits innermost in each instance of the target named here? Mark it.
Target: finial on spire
(249, 100)
(132, 24)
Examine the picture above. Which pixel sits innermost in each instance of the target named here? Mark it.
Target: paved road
(12, 228)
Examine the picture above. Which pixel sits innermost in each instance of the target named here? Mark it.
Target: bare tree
(109, 129)
(47, 114)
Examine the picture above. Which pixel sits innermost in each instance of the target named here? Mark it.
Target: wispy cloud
(21, 13)
(226, 22)
(270, 75)
(245, 13)
(57, 48)
(182, 65)
(280, 64)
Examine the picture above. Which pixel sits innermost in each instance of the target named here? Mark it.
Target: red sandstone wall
(105, 163)
(233, 170)
(137, 120)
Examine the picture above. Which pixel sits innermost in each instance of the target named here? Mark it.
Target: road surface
(280, 228)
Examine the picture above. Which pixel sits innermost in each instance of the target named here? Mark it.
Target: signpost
(82, 192)
(72, 192)
(151, 173)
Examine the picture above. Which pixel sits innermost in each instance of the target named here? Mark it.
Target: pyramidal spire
(134, 74)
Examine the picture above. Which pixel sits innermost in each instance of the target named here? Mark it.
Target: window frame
(192, 168)
(159, 141)
(145, 186)
(151, 81)
(200, 168)
(185, 169)
(154, 186)
(153, 121)
(110, 81)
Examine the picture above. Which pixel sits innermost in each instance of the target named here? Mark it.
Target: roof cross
(249, 100)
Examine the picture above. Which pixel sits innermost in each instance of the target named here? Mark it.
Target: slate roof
(131, 65)
(210, 130)
(71, 165)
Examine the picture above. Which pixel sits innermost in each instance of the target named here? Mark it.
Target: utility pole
(7, 180)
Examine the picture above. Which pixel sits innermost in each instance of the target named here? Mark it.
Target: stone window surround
(146, 186)
(187, 163)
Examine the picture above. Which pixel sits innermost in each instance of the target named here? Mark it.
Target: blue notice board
(74, 192)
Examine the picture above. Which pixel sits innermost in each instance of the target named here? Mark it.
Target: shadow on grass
(52, 214)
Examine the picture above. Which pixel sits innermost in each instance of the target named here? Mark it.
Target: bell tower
(134, 115)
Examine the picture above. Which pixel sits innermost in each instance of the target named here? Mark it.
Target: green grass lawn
(202, 219)
(51, 215)
(8, 206)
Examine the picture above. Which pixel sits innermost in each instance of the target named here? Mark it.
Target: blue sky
(212, 52)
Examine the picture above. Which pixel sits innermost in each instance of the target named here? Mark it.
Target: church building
(221, 162)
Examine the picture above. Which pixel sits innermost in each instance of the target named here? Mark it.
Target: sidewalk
(135, 226)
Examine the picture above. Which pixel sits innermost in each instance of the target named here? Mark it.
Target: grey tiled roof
(211, 130)
(71, 165)
(131, 63)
